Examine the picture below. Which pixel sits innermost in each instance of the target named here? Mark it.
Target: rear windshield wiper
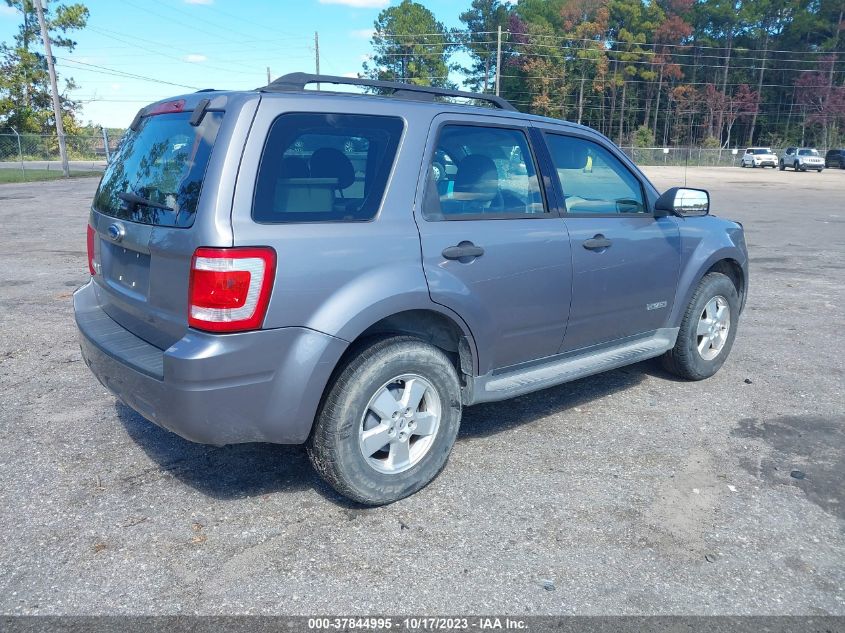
(135, 200)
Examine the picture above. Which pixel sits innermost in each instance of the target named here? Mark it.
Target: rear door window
(156, 175)
(480, 172)
(325, 167)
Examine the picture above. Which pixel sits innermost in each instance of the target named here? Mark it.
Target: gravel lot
(628, 492)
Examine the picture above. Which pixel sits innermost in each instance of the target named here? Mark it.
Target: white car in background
(759, 157)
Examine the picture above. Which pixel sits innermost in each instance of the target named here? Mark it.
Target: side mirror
(683, 202)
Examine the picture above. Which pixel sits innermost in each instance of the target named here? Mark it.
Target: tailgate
(145, 224)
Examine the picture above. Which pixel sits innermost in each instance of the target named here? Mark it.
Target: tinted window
(482, 171)
(808, 152)
(594, 180)
(762, 151)
(325, 167)
(164, 162)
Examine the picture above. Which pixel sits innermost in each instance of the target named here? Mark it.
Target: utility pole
(317, 53)
(268, 76)
(57, 108)
(498, 58)
(759, 87)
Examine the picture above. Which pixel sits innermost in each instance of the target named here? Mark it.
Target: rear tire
(420, 386)
(707, 330)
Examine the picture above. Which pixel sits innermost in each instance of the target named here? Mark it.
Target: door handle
(597, 242)
(462, 250)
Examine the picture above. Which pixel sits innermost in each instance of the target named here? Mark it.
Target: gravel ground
(625, 493)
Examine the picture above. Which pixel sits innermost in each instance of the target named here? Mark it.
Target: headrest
(570, 155)
(477, 174)
(328, 162)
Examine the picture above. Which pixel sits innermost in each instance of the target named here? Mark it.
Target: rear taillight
(230, 288)
(92, 261)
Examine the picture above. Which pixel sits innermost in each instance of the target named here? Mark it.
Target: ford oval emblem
(116, 232)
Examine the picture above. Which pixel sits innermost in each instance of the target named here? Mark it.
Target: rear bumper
(262, 386)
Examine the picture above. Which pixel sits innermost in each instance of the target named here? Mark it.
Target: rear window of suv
(325, 167)
(156, 175)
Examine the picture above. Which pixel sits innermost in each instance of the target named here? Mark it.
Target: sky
(192, 44)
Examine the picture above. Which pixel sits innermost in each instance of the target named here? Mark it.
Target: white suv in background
(759, 157)
(802, 159)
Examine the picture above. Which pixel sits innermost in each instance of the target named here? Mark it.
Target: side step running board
(559, 369)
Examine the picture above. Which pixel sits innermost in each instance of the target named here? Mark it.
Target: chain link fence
(689, 156)
(91, 152)
(41, 151)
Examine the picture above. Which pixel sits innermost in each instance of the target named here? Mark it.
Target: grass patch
(35, 175)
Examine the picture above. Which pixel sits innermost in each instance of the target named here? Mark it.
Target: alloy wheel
(714, 324)
(400, 423)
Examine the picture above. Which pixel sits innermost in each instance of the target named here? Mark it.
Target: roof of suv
(409, 97)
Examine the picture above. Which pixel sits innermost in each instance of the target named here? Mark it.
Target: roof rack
(296, 82)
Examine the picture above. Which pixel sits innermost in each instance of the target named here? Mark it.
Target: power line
(611, 53)
(120, 73)
(165, 55)
(609, 41)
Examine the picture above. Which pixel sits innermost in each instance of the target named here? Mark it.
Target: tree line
(717, 73)
(25, 103)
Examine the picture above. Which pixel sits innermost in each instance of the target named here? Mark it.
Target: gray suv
(801, 159)
(281, 265)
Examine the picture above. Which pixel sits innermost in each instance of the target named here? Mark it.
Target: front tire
(707, 330)
(388, 421)
(781, 166)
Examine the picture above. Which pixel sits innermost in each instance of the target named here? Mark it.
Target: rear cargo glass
(325, 167)
(163, 163)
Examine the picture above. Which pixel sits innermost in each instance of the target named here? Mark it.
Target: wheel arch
(725, 261)
(430, 323)
(733, 270)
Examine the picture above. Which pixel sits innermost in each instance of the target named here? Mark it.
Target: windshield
(807, 152)
(762, 151)
(156, 175)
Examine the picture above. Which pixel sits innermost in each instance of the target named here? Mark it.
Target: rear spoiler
(167, 107)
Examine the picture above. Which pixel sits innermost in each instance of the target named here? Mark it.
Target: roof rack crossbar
(296, 82)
